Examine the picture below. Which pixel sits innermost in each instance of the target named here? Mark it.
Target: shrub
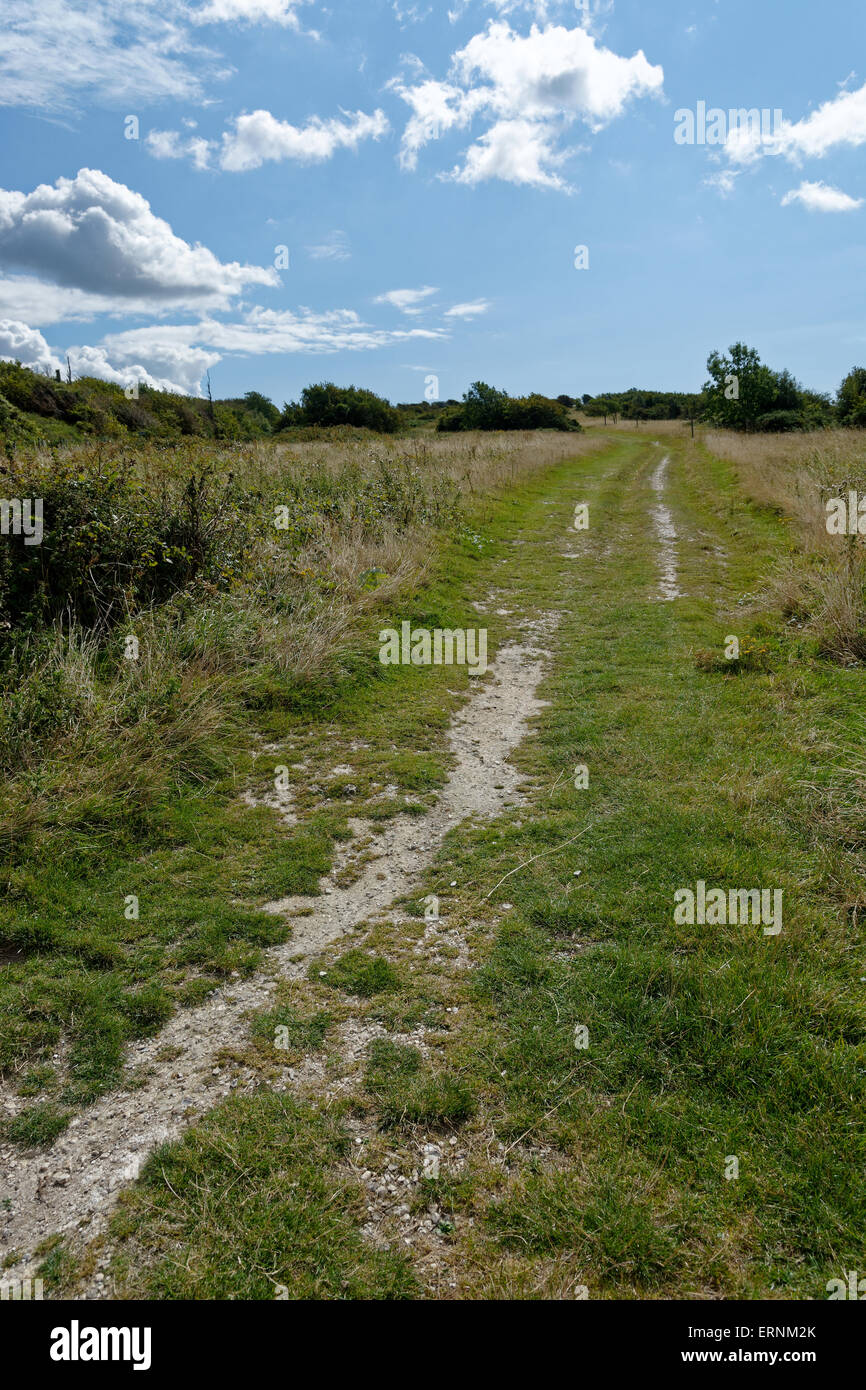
(486, 408)
(109, 545)
(327, 404)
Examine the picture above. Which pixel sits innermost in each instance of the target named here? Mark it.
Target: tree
(261, 405)
(327, 404)
(602, 405)
(851, 399)
(740, 389)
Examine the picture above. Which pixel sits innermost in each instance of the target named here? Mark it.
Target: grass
(255, 1181)
(133, 872)
(820, 583)
(406, 1092)
(607, 1167)
(360, 974)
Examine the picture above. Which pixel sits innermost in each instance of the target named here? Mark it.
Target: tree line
(740, 393)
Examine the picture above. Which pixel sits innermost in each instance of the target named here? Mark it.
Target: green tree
(740, 389)
(851, 399)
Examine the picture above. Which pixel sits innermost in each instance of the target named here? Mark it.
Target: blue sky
(431, 169)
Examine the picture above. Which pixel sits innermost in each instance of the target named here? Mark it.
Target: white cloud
(725, 181)
(57, 51)
(838, 123)
(183, 370)
(820, 197)
(283, 12)
(468, 310)
(169, 144)
(530, 88)
(93, 235)
(407, 301)
(19, 343)
(335, 247)
(543, 10)
(409, 14)
(259, 137)
(516, 152)
(180, 354)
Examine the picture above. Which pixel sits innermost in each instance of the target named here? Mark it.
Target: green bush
(327, 404)
(109, 545)
(486, 408)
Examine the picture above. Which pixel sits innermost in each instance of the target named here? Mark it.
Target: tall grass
(822, 582)
(238, 613)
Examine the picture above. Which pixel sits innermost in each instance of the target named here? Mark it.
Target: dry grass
(823, 581)
(298, 612)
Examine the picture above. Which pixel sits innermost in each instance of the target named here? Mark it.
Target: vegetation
(485, 408)
(604, 1167)
(36, 408)
(327, 404)
(252, 581)
(138, 845)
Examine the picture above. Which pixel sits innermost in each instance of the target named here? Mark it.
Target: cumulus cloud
(94, 235)
(180, 372)
(170, 144)
(516, 152)
(258, 137)
(407, 301)
(20, 343)
(175, 356)
(820, 197)
(839, 123)
(529, 88)
(180, 354)
(724, 182)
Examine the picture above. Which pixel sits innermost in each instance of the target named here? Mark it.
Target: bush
(110, 546)
(327, 404)
(780, 421)
(486, 408)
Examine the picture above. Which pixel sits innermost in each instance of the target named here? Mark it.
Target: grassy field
(567, 1170)
(124, 778)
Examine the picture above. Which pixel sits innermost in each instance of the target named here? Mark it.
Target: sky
(546, 195)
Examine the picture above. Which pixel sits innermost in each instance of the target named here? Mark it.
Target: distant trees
(327, 404)
(601, 406)
(743, 393)
(851, 399)
(486, 408)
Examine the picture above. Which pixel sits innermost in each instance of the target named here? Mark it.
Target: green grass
(360, 974)
(244, 1207)
(705, 1042)
(38, 1125)
(405, 1091)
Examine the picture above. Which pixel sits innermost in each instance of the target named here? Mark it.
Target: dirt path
(666, 532)
(73, 1186)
